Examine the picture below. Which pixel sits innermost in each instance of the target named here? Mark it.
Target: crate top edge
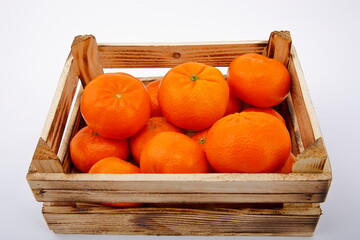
(208, 177)
(206, 43)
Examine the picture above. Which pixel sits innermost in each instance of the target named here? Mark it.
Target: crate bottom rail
(277, 220)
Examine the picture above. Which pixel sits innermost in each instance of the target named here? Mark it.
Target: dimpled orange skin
(115, 105)
(270, 111)
(171, 152)
(234, 105)
(193, 95)
(153, 89)
(154, 126)
(115, 166)
(247, 142)
(87, 147)
(259, 80)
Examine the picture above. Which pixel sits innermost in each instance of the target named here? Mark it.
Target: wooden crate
(179, 204)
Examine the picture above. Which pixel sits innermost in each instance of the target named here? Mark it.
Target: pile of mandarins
(191, 121)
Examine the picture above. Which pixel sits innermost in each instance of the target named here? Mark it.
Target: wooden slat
(73, 125)
(45, 157)
(86, 55)
(315, 127)
(286, 221)
(179, 187)
(315, 157)
(300, 107)
(287, 112)
(295, 125)
(186, 205)
(59, 110)
(170, 55)
(97, 196)
(214, 182)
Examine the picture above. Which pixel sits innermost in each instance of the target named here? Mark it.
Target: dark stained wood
(284, 221)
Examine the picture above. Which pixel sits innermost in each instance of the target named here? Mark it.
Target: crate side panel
(60, 107)
(182, 221)
(75, 122)
(180, 188)
(164, 56)
(299, 105)
(220, 183)
(97, 196)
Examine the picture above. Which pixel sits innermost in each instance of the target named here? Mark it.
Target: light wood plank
(309, 127)
(97, 196)
(295, 187)
(295, 124)
(284, 221)
(45, 160)
(58, 113)
(299, 106)
(170, 55)
(221, 178)
(305, 94)
(72, 128)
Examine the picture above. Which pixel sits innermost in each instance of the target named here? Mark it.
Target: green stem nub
(202, 140)
(194, 77)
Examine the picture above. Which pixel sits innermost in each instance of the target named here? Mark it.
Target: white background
(35, 39)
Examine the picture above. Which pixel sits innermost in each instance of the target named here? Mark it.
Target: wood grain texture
(73, 125)
(170, 55)
(87, 58)
(299, 106)
(294, 187)
(287, 220)
(315, 127)
(295, 129)
(279, 46)
(97, 196)
(45, 160)
(312, 159)
(59, 110)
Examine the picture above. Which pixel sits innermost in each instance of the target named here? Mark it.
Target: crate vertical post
(87, 57)
(279, 46)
